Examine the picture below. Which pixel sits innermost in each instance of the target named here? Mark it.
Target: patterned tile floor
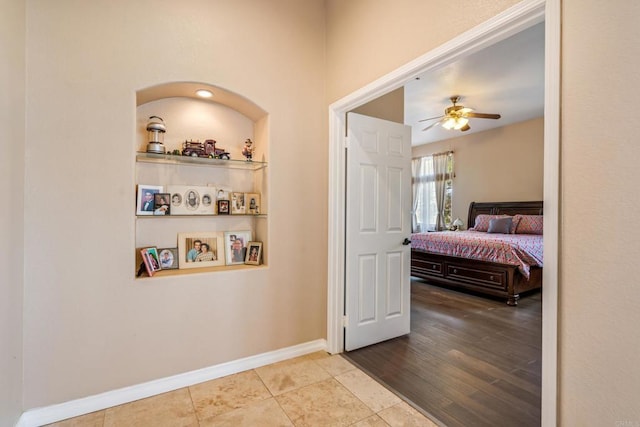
(313, 390)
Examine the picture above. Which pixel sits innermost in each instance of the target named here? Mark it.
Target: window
(432, 178)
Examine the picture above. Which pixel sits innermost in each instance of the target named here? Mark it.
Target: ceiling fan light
(449, 123)
(460, 123)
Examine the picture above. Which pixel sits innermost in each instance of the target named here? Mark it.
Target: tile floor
(313, 390)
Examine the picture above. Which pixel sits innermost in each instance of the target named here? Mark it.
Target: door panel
(378, 220)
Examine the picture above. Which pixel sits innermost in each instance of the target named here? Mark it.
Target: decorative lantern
(156, 130)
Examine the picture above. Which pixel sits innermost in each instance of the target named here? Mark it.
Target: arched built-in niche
(229, 119)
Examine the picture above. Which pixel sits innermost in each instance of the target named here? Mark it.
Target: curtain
(440, 162)
(424, 208)
(429, 184)
(416, 166)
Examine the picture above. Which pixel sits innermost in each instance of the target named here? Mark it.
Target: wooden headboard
(502, 208)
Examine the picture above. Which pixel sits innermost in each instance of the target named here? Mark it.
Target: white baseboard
(50, 414)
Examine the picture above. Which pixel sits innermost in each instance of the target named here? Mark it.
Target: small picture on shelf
(254, 253)
(151, 260)
(145, 198)
(168, 258)
(235, 245)
(191, 199)
(223, 207)
(223, 193)
(161, 204)
(203, 249)
(237, 204)
(253, 203)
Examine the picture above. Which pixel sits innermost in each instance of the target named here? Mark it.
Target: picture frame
(252, 201)
(235, 246)
(162, 204)
(145, 198)
(168, 258)
(238, 206)
(223, 192)
(151, 260)
(254, 253)
(191, 253)
(223, 207)
(192, 199)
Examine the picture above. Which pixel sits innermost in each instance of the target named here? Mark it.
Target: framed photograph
(237, 204)
(235, 246)
(145, 200)
(202, 249)
(254, 253)
(168, 258)
(222, 193)
(223, 207)
(176, 200)
(151, 260)
(162, 204)
(253, 203)
(192, 199)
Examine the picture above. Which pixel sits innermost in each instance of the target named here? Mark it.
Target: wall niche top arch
(188, 90)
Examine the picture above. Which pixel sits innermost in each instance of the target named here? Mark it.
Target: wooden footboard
(487, 278)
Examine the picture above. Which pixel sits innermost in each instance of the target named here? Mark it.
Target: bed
(501, 265)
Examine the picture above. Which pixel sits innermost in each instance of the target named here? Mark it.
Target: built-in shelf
(177, 159)
(201, 216)
(182, 272)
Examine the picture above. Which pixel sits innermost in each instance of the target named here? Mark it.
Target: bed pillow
(482, 221)
(500, 225)
(529, 224)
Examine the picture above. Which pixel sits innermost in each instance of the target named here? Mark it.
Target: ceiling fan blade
(430, 118)
(483, 115)
(431, 125)
(465, 127)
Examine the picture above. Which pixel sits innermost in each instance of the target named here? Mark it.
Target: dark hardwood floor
(468, 361)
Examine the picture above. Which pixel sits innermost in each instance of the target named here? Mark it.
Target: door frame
(511, 21)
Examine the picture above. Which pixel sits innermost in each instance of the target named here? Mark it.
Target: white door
(378, 222)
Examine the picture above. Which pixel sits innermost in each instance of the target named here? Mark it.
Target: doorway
(515, 19)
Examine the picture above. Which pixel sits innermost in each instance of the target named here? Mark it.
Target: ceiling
(506, 78)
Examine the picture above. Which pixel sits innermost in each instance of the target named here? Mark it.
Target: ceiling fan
(457, 117)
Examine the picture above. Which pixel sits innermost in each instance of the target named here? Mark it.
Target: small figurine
(247, 150)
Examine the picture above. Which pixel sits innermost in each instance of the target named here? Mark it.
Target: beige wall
(89, 326)
(599, 302)
(368, 39)
(387, 107)
(599, 286)
(498, 165)
(12, 141)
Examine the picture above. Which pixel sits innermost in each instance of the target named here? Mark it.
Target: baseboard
(50, 414)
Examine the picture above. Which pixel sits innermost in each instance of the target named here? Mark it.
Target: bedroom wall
(599, 376)
(387, 107)
(89, 326)
(498, 165)
(12, 141)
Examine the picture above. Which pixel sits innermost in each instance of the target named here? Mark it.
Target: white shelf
(175, 159)
(201, 216)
